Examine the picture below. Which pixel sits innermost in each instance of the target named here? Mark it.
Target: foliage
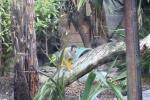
(88, 86)
(52, 90)
(81, 3)
(62, 59)
(96, 3)
(47, 20)
(94, 89)
(146, 23)
(5, 34)
(47, 15)
(145, 61)
(117, 84)
(57, 58)
(5, 22)
(144, 31)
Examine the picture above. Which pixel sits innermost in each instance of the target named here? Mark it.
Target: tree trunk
(21, 89)
(82, 27)
(2, 68)
(80, 22)
(101, 26)
(0, 49)
(24, 40)
(31, 59)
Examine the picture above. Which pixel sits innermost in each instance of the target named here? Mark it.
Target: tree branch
(99, 56)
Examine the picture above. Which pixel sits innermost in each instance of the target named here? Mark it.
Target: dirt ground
(72, 91)
(6, 88)
(76, 88)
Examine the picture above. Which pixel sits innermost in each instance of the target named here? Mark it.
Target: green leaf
(81, 3)
(96, 90)
(116, 90)
(114, 63)
(88, 86)
(122, 74)
(60, 59)
(103, 79)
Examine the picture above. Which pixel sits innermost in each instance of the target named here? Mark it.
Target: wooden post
(133, 50)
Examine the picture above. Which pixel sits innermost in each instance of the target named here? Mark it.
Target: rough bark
(21, 89)
(0, 48)
(101, 26)
(82, 27)
(31, 60)
(24, 41)
(80, 22)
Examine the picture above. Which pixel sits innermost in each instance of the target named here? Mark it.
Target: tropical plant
(53, 87)
(117, 84)
(52, 90)
(5, 23)
(145, 61)
(47, 15)
(5, 35)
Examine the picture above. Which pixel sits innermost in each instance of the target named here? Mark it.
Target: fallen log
(99, 56)
(96, 57)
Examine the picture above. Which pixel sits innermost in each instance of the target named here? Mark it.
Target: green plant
(47, 15)
(5, 35)
(88, 86)
(5, 22)
(52, 90)
(117, 84)
(97, 3)
(145, 61)
(47, 20)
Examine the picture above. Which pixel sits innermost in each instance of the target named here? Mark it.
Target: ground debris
(75, 89)
(6, 88)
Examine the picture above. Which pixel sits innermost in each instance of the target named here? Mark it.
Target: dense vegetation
(48, 14)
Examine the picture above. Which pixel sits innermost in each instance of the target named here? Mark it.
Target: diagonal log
(99, 56)
(96, 57)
